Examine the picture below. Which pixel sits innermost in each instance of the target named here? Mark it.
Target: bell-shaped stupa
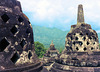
(17, 52)
(82, 52)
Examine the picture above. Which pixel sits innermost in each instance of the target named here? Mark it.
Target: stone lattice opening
(3, 44)
(94, 38)
(81, 34)
(15, 57)
(77, 48)
(71, 38)
(71, 48)
(68, 42)
(80, 43)
(88, 43)
(29, 22)
(5, 17)
(84, 38)
(76, 38)
(14, 30)
(74, 34)
(74, 43)
(29, 55)
(92, 33)
(87, 34)
(85, 49)
(90, 38)
(97, 48)
(22, 43)
(28, 31)
(82, 25)
(92, 48)
(93, 43)
(20, 19)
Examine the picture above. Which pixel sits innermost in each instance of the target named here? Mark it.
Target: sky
(61, 14)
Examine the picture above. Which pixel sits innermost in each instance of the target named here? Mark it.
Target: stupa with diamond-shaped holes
(82, 52)
(16, 40)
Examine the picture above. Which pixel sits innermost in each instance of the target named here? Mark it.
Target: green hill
(46, 35)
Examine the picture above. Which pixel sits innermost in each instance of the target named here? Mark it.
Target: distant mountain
(99, 37)
(46, 35)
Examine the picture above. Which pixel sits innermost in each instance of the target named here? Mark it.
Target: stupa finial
(80, 15)
(52, 42)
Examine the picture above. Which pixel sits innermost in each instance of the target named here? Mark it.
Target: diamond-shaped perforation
(15, 57)
(85, 49)
(88, 43)
(29, 55)
(76, 38)
(14, 30)
(77, 48)
(22, 43)
(20, 19)
(29, 22)
(3, 44)
(5, 17)
(28, 31)
(92, 48)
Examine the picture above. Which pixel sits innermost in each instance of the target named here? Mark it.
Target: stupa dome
(17, 53)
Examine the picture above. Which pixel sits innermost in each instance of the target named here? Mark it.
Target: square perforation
(29, 55)
(20, 19)
(3, 44)
(15, 57)
(22, 43)
(14, 30)
(28, 31)
(5, 17)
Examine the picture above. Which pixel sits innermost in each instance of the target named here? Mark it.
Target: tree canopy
(39, 49)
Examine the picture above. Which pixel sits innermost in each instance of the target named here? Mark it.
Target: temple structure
(52, 51)
(50, 56)
(82, 52)
(17, 52)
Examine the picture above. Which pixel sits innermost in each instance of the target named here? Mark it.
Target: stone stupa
(17, 52)
(50, 56)
(82, 52)
(52, 51)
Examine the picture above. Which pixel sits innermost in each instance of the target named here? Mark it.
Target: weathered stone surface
(80, 15)
(52, 51)
(50, 56)
(16, 40)
(82, 52)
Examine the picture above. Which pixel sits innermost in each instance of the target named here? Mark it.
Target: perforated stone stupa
(82, 52)
(52, 51)
(81, 37)
(16, 40)
(50, 56)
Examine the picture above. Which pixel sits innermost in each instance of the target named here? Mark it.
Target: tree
(99, 45)
(39, 49)
(60, 50)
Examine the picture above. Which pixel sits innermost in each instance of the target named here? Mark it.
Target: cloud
(61, 13)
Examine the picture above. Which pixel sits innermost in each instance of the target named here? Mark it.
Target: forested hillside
(46, 35)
